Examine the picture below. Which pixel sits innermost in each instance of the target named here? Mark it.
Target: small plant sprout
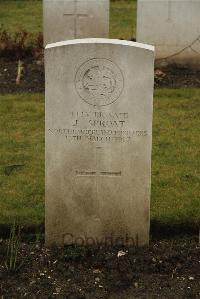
(12, 263)
(20, 69)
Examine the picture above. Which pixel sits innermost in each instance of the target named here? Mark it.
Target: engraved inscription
(99, 82)
(98, 126)
(96, 173)
(110, 173)
(85, 173)
(119, 136)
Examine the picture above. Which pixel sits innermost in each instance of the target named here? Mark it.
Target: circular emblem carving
(99, 82)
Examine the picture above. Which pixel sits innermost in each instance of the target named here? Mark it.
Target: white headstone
(99, 95)
(173, 27)
(71, 19)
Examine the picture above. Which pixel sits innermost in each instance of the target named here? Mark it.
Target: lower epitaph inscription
(96, 173)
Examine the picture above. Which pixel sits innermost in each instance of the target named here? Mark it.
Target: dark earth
(165, 269)
(32, 79)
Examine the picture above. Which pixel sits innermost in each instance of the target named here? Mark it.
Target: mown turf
(19, 15)
(22, 158)
(123, 19)
(175, 160)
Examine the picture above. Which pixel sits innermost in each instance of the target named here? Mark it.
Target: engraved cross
(169, 10)
(76, 16)
(97, 173)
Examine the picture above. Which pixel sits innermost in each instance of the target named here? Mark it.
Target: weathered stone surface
(173, 27)
(70, 19)
(99, 96)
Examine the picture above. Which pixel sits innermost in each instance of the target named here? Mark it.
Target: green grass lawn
(22, 143)
(175, 161)
(18, 15)
(123, 19)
